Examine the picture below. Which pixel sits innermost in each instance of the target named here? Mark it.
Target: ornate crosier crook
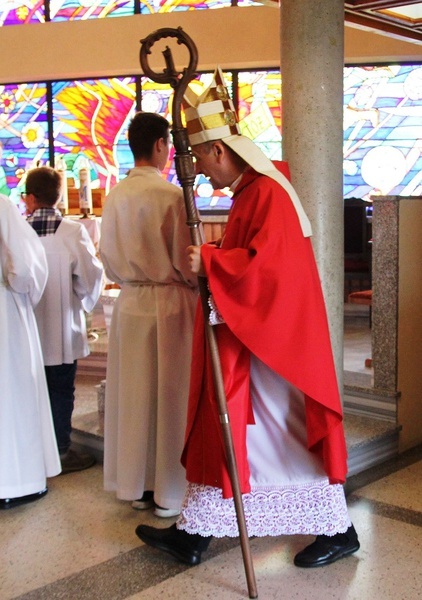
(186, 175)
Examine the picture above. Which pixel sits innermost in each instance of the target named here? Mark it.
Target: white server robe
(74, 286)
(28, 449)
(143, 244)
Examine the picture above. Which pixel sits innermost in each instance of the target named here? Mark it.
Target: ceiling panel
(401, 17)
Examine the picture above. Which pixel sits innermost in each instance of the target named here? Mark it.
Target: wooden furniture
(214, 226)
(97, 201)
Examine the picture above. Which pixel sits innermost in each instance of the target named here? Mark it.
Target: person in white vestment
(28, 449)
(143, 242)
(73, 288)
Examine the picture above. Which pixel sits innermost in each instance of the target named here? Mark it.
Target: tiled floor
(78, 543)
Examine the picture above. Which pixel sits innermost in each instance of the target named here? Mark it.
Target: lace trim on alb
(315, 509)
(215, 317)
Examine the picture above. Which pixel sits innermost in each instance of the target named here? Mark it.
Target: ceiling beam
(379, 15)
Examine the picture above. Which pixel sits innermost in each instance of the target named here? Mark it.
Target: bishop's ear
(218, 149)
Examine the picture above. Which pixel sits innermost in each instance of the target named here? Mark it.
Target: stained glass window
(164, 6)
(156, 97)
(23, 135)
(382, 131)
(382, 128)
(90, 122)
(15, 12)
(75, 10)
(260, 109)
(18, 12)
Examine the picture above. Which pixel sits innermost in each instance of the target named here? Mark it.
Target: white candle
(63, 204)
(85, 194)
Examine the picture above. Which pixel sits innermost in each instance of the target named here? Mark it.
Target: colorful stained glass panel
(90, 122)
(260, 110)
(23, 134)
(76, 10)
(16, 12)
(164, 6)
(382, 131)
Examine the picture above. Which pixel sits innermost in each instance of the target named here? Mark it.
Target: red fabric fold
(266, 286)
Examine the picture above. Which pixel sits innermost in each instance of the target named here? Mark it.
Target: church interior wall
(232, 37)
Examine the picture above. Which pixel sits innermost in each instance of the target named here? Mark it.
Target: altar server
(143, 242)
(28, 449)
(73, 288)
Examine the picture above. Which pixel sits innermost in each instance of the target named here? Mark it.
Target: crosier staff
(186, 175)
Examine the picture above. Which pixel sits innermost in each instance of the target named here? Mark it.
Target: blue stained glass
(382, 127)
(382, 131)
(76, 10)
(24, 134)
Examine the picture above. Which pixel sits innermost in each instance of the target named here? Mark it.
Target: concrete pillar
(312, 58)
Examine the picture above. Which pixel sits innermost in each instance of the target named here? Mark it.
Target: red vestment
(265, 283)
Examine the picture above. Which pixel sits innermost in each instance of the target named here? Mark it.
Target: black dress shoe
(326, 550)
(76, 461)
(184, 546)
(12, 502)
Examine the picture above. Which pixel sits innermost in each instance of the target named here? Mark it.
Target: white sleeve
(88, 272)
(23, 259)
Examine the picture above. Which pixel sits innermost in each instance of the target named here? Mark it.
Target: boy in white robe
(143, 241)
(73, 287)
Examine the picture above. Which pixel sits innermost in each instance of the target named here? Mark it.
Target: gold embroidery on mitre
(214, 92)
(210, 95)
(222, 93)
(213, 121)
(229, 117)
